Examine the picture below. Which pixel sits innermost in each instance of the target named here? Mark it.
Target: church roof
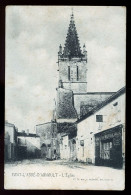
(72, 46)
(104, 103)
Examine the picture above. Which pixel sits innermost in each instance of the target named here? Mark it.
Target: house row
(90, 125)
(98, 137)
(10, 140)
(20, 145)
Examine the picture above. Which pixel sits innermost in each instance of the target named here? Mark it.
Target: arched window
(77, 73)
(69, 73)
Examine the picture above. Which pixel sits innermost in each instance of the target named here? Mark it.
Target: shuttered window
(69, 73)
(77, 73)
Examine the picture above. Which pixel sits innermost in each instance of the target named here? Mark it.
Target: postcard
(65, 98)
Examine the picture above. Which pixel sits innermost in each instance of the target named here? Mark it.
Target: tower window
(77, 74)
(69, 73)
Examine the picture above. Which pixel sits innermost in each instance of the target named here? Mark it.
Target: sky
(33, 36)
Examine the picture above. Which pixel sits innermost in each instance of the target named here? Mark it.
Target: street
(61, 174)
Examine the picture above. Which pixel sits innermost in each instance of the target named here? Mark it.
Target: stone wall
(65, 109)
(82, 102)
(113, 114)
(48, 140)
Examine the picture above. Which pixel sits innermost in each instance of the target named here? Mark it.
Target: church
(73, 99)
(74, 104)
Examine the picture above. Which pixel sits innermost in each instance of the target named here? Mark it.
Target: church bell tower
(72, 62)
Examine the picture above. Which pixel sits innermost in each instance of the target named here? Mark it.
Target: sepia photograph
(65, 91)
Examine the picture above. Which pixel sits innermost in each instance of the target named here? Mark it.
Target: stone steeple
(72, 46)
(72, 61)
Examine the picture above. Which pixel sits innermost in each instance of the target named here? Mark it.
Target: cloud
(33, 35)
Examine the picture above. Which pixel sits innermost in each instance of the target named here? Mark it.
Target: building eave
(110, 99)
(44, 123)
(107, 130)
(95, 93)
(25, 135)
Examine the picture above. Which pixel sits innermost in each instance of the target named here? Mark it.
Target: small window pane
(99, 118)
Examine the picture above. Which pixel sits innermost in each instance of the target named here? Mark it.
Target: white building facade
(103, 130)
(10, 141)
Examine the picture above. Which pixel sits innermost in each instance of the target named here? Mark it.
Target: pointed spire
(84, 52)
(72, 45)
(60, 49)
(84, 48)
(60, 84)
(72, 15)
(72, 10)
